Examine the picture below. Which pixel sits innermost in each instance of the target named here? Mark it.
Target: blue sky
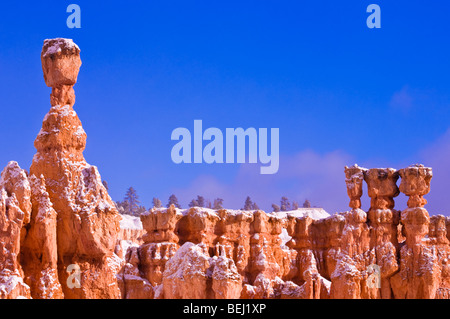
(340, 93)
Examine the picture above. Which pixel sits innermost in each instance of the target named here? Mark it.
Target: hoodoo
(67, 215)
(59, 231)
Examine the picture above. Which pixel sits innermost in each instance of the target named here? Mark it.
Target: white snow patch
(80, 131)
(313, 212)
(130, 222)
(9, 281)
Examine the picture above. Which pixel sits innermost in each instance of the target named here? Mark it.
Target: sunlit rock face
(59, 214)
(382, 253)
(61, 235)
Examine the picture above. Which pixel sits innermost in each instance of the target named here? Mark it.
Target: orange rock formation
(202, 253)
(59, 214)
(60, 236)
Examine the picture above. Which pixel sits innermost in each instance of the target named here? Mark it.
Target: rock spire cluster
(61, 235)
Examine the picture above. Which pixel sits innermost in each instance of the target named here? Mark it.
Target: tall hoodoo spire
(87, 220)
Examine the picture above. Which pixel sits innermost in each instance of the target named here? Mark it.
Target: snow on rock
(192, 273)
(61, 63)
(87, 222)
(12, 232)
(12, 286)
(60, 215)
(39, 250)
(130, 222)
(57, 45)
(130, 233)
(312, 212)
(185, 273)
(15, 181)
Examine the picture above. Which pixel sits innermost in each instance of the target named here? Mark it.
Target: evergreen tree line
(130, 204)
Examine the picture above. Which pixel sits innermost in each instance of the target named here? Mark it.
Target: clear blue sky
(339, 92)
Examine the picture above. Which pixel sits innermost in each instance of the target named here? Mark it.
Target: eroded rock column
(266, 257)
(306, 282)
(87, 220)
(39, 252)
(15, 207)
(354, 178)
(160, 242)
(438, 237)
(382, 189)
(417, 277)
(351, 260)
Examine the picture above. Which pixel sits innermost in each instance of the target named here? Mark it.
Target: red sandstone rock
(60, 215)
(382, 188)
(226, 281)
(348, 277)
(160, 225)
(131, 283)
(66, 217)
(240, 254)
(185, 275)
(39, 252)
(88, 222)
(354, 177)
(438, 237)
(419, 275)
(61, 63)
(384, 221)
(415, 184)
(343, 256)
(131, 230)
(13, 179)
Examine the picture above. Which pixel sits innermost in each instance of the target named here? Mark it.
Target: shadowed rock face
(59, 216)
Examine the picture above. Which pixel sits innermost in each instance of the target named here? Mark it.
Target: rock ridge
(61, 235)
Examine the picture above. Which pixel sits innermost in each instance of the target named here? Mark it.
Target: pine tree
(248, 205)
(201, 201)
(255, 206)
(132, 199)
(105, 184)
(156, 202)
(140, 210)
(285, 205)
(218, 202)
(275, 208)
(295, 205)
(193, 203)
(307, 204)
(198, 202)
(173, 200)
